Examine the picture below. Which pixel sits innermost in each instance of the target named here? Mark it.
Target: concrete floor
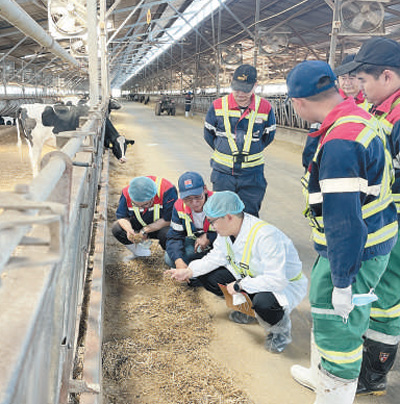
(168, 146)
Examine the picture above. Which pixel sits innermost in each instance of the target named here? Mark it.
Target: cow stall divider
(52, 234)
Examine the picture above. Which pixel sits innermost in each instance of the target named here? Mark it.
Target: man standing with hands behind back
(238, 127)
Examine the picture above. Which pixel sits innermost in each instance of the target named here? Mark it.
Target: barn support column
(105, 85)
(93, 50)
(256, 29)
(335, 29)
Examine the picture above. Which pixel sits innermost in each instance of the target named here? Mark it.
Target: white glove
(342, 302)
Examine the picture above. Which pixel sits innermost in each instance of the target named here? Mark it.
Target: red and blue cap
(190, 183)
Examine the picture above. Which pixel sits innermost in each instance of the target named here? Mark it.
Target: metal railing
(45, 236)
(284, 112)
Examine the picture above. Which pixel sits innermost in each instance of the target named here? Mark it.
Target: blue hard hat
(142, 189)
(223, 203)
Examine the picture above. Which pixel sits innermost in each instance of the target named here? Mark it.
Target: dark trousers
(264, 303)
(250, 188)
(120, 234)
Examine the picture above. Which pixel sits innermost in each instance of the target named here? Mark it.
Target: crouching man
(190, 235)
(144, 213)
(255, 257)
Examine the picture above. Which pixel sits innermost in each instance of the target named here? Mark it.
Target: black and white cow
(115, 141)
(40, 123)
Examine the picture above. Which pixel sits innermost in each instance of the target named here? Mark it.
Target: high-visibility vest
(387, 130)
(162, 185)
(185, 213)
(243, 269)
(378, 205)
(247, 160)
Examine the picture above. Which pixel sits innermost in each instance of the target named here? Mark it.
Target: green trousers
(340, 343)
(385, 313)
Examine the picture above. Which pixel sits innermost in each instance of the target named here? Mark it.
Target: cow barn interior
(78, 324)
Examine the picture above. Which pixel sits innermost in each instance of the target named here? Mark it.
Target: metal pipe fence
(45, 235)
(283, 110)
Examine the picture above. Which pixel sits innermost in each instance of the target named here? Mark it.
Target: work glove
(342, 302)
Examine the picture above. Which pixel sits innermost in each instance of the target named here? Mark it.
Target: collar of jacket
(359, 98)
(385, 106)
(346, 107)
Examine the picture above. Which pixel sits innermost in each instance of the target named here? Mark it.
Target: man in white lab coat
(254, 257)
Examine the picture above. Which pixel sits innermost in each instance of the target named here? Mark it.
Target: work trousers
(340, 343)
(250, 188)
(120, 234)
(385, 313)
(264, 303)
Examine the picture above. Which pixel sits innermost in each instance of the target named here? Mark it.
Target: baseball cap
(190, 183)
(345, 66)
(142, 189)
(378, 51)
(223, 203)
(244, 78)
(305, 79)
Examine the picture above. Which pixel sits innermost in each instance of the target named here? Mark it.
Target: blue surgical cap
(142, 189)
(223, 203)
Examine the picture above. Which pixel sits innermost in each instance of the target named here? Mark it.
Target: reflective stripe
(270, 128)
(228, 160)
(334, 185)
(156, 207)
(315, 197)
(385, 233)
(342, 357)
(187, 220)
(297, 277)
(387, 130)
(380, 236)
(177, 226)
(209, 126)
(382, 191)
(243, 269)
(328, 312)
(380, 337)
(388, 313)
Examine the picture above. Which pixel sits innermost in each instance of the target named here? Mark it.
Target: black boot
(378, 359)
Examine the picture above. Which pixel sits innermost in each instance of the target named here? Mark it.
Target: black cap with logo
(244, 78)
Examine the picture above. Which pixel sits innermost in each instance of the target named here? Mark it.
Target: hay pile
(155, 347)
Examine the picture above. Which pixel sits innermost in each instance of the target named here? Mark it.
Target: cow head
(119, 148)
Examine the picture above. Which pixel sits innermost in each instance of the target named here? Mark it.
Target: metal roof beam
(12, 49)
(125, 21)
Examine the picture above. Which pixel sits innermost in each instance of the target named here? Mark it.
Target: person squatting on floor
(190, 235)
(238, 127)
(354, 228)
(144, 212)
(255, 257)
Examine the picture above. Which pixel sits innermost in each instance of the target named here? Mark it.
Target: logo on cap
(243, 77)
(188, 183)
